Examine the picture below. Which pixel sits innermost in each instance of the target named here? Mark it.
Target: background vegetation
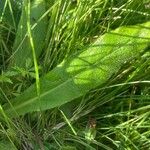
(35, 37)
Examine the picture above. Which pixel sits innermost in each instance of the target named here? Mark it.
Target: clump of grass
(119, 107)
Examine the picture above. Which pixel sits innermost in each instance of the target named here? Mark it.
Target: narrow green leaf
(85, 71)
(22, 47)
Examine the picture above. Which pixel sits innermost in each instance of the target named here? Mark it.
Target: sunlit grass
(120, 107)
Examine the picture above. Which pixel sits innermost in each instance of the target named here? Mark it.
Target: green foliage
(92, 57)
(85, 71)
(10, 12)
(5, 145)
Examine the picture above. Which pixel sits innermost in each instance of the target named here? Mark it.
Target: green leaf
(22, 47)
(84, 71)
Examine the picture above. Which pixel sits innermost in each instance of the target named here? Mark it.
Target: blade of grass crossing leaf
(32, 47)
